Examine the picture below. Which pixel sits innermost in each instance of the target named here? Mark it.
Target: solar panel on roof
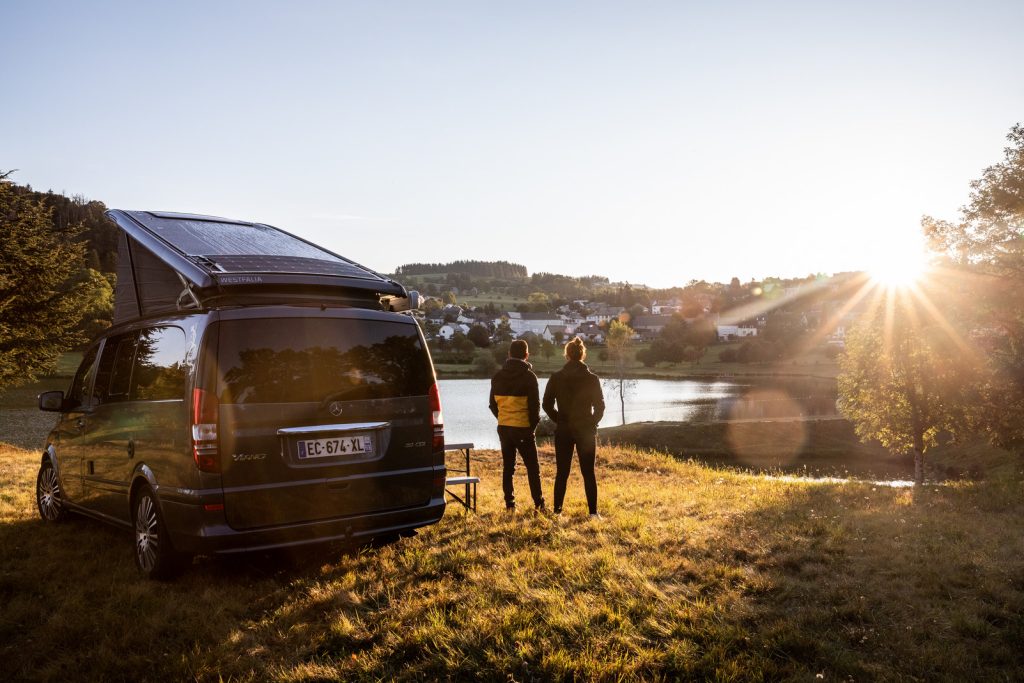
(173, 261)
(208, 237)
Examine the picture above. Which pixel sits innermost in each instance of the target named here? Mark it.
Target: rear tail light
(204, 430)
(437, 418)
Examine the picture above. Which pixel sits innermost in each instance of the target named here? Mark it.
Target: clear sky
(650, 142)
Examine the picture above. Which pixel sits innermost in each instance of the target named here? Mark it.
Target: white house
(521, 323)
(603, 314)
(448, 330)
(666, 307)
(727, 332)
(551, 330)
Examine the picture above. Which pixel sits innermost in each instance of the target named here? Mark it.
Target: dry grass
(693, 573)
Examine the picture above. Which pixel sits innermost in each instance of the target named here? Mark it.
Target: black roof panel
(219, 255)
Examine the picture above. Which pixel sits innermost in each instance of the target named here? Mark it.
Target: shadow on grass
(693, 574)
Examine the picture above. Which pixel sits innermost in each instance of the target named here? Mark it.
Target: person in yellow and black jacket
(515, 401)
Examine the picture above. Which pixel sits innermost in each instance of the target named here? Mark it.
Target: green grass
(694, 574)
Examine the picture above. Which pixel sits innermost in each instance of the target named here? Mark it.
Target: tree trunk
(622, 399)
(918, 467)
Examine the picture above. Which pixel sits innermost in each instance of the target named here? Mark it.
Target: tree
(479, 335)
(983, 257)
(503, 330)
(40, 303)
(904, 381)
(620, 335)
(484, 363)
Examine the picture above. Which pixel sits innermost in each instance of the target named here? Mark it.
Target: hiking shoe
(596, 517)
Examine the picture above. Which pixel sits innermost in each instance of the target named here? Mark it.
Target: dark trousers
(519, 439)
(585, 443)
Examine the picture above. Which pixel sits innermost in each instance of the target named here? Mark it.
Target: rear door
(322, 417)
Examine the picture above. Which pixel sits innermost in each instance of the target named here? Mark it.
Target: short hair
(518, 349)
(575, 350)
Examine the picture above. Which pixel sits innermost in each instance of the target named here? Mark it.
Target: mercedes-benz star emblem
(335, 408)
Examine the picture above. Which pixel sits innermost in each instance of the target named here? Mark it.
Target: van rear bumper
(198, 531)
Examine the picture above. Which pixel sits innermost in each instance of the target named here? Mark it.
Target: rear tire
(154, 555)
(49, 495)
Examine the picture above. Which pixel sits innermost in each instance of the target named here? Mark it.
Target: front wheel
(154, 555)
(49, 496)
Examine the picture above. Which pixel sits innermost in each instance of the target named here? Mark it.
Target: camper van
(255, 391)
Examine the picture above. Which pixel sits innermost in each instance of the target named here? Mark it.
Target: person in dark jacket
(574, 402)
(515, 401)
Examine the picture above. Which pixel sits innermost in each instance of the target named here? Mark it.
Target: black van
(241, 427)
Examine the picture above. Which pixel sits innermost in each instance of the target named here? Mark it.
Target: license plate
(358, 445)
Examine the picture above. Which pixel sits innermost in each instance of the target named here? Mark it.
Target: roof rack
(177, 261)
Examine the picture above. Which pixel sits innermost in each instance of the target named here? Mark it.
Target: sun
(898, 266)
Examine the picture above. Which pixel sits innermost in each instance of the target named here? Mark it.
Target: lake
(467, 418)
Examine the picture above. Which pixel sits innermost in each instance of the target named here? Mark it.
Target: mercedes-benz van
(249, 427)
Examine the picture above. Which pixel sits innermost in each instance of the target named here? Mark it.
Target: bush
(484, 363)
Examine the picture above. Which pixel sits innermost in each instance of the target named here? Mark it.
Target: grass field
(694, 573)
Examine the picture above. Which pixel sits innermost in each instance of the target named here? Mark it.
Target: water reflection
(467, 418)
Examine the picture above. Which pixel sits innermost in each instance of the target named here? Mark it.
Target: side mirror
(51, 401)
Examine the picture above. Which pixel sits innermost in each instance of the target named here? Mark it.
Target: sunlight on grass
(694, 573)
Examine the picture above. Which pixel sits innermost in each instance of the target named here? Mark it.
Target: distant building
(604, 314)
(447, 331)
(730, 332)
(522, 323)
(551, 330)
(649, 326)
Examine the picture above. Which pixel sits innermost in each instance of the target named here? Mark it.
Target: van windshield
(293, 360)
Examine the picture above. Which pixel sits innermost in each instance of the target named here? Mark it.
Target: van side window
(76, 397)
(115, 369)
(160, 366)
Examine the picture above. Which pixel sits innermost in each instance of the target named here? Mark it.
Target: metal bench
(466, 479)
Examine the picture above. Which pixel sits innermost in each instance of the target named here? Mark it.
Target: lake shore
(811, 446)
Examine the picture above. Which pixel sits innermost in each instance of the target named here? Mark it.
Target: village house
(603, 313)
(666, 307)
(649, 326)
(730, 332)
(590, 332)
(448, 330)
(521, 323)
(551, 333)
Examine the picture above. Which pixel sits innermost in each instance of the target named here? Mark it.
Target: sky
(653, 143)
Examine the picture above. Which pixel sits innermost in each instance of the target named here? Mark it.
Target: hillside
(694, 573)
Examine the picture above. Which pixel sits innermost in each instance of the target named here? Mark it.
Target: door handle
(131, 448)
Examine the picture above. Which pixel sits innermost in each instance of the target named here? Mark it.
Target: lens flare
(899, 264)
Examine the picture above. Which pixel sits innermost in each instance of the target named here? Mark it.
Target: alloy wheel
(147, 533)
(48, 494)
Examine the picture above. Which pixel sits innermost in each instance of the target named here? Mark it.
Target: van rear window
(293, 360)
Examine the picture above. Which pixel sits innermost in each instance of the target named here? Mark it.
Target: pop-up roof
(176, 261)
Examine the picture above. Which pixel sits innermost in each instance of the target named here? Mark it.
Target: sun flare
(899, 266)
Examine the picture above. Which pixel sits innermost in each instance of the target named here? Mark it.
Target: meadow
(694, 573)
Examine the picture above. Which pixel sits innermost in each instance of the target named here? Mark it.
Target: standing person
(515, 401)
(576, 391)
